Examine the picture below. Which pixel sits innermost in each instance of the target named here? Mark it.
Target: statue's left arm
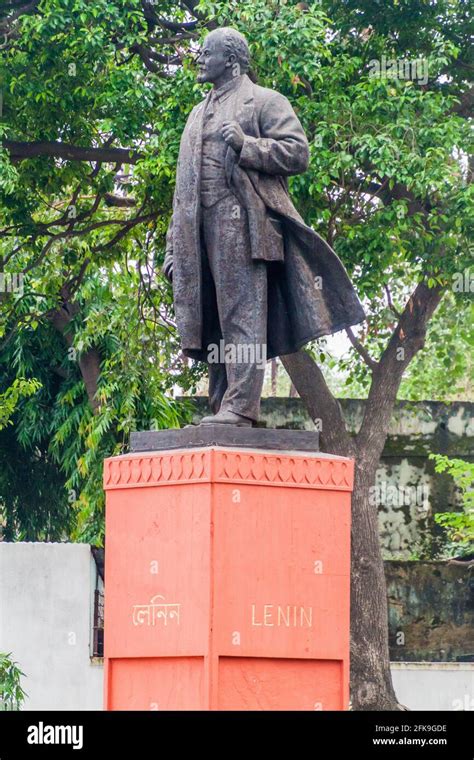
(282, 147)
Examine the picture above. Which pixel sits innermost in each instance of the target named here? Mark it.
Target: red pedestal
(227, 580)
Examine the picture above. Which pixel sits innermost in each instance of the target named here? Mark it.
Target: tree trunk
(371, 682)
(89, 361)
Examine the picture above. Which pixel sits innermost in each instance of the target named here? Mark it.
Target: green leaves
(20, 388)
(459, 526)
(12, 695)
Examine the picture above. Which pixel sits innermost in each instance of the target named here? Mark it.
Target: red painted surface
(227, 581)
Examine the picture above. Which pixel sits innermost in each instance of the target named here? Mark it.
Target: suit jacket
(309, 291)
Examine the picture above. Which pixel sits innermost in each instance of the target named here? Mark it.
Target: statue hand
(233, 134)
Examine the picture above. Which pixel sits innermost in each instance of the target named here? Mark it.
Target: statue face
(213, 60)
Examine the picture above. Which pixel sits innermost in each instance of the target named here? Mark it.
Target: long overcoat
(309, 291)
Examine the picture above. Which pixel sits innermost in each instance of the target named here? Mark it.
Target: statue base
(225, 435)
(227, 577)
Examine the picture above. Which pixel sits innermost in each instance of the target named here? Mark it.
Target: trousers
(235, 309)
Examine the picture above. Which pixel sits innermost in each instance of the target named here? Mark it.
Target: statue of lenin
(251, 280)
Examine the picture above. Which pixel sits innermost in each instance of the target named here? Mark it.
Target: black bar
(254, 734)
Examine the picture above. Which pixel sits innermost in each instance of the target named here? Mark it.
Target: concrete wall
(434, 685)
(408, 491)
(431, 611)
(46, 602)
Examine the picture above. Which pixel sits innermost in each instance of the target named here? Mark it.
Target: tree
(90, 137)
(89, 320)
(101, 371)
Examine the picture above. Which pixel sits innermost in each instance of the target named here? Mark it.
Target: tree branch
(390, 302)
(407, 339)
(19, 151)
(89, 361)
(361, 349)
(16, 10)
(311, 385)
(177, 26)
(119, 201)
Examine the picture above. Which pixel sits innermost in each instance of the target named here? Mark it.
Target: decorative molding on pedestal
(218, 465)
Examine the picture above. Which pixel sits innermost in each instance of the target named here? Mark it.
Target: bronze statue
(251, 280)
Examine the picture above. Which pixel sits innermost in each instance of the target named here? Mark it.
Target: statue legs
(240, 297)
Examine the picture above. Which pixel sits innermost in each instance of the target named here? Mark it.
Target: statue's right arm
(282, 147)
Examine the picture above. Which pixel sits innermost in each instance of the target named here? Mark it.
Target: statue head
(224, 55)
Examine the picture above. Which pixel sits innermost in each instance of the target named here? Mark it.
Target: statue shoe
(226, 417)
